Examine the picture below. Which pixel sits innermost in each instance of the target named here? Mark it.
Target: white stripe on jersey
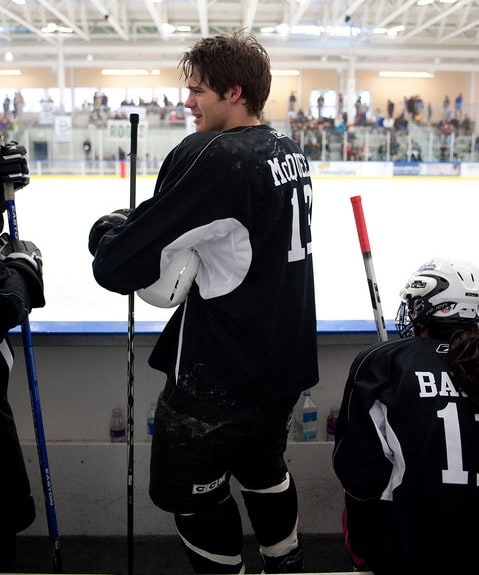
(391, 447)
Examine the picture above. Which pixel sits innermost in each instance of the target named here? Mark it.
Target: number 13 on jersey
(301, 225)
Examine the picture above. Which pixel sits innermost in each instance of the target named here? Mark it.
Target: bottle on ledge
(307, 419)
(150, 420)
(117, 426)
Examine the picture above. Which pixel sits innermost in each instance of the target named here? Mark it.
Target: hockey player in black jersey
(231, 216)
(21, 289)
(407, 437)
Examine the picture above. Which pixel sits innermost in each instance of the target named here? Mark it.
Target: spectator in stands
(292, 102)
(390, 109)
(87, 149)
(18, 104)
(180, 111)
(320, 103)
(466, 125)
(6, 105)
(348, 151)
(340, 105)
(311, 144)
(104, 102)
(301, 116)
(378, 119)
(429, 113)
(445, 107)
(458, 106)
(401, 123)
(418, 108)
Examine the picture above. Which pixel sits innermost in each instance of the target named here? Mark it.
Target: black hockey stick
(134, 119)
(368, 265)
(35, 404)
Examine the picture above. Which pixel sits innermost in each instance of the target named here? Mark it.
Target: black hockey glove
(13, 169)
(104, 225)
(25, 258)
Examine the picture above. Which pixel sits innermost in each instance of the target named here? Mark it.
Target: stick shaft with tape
(134, 119)
(369, 267)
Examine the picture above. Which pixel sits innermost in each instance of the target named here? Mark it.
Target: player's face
(209, 111)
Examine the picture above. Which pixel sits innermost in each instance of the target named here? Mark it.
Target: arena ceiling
(322, 34)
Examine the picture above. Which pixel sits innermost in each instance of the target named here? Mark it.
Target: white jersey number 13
(297, 250)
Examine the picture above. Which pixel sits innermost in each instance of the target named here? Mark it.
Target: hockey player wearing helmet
(21, 289)
(229, 224)
(407, 438)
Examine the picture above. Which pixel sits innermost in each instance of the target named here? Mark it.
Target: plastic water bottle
(150, 420)
(307, 418)
(117, 426)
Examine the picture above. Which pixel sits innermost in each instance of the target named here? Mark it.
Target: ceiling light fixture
(124, 72)
(10, 73)
(8, 56)
(53, 29)
(404, 74)
(285, 72)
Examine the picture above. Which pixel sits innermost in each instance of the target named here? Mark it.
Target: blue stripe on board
(152, 327)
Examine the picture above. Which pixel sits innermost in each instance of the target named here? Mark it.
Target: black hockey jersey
(17, 508)
(246, 334)
(407, 455)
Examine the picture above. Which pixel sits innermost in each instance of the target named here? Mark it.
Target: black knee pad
(272, 515)
(210, 534)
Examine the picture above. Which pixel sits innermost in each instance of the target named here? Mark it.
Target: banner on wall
(427, 168)
(119, 131)
(63, 128)
(356, 169)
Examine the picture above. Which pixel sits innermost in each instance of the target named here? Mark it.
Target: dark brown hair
(228, 60)
(463, 358)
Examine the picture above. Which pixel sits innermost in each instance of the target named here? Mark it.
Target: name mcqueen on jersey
(293, 167)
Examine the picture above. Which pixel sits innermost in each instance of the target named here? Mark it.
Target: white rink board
(409, 220)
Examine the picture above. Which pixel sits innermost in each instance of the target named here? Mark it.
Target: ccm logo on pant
(199, 489)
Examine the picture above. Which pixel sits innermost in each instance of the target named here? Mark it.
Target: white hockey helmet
(440, 290)
(176, 279)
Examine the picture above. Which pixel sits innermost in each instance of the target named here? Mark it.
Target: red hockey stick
(368, 265)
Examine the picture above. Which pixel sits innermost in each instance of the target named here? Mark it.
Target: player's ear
(234, 93)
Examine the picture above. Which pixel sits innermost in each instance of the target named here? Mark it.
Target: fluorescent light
(404, 74)
(20, 2)
(53, 29)
(8, 57)
(282, 28)
(124, 72)
(285, 72)
(10, 73)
